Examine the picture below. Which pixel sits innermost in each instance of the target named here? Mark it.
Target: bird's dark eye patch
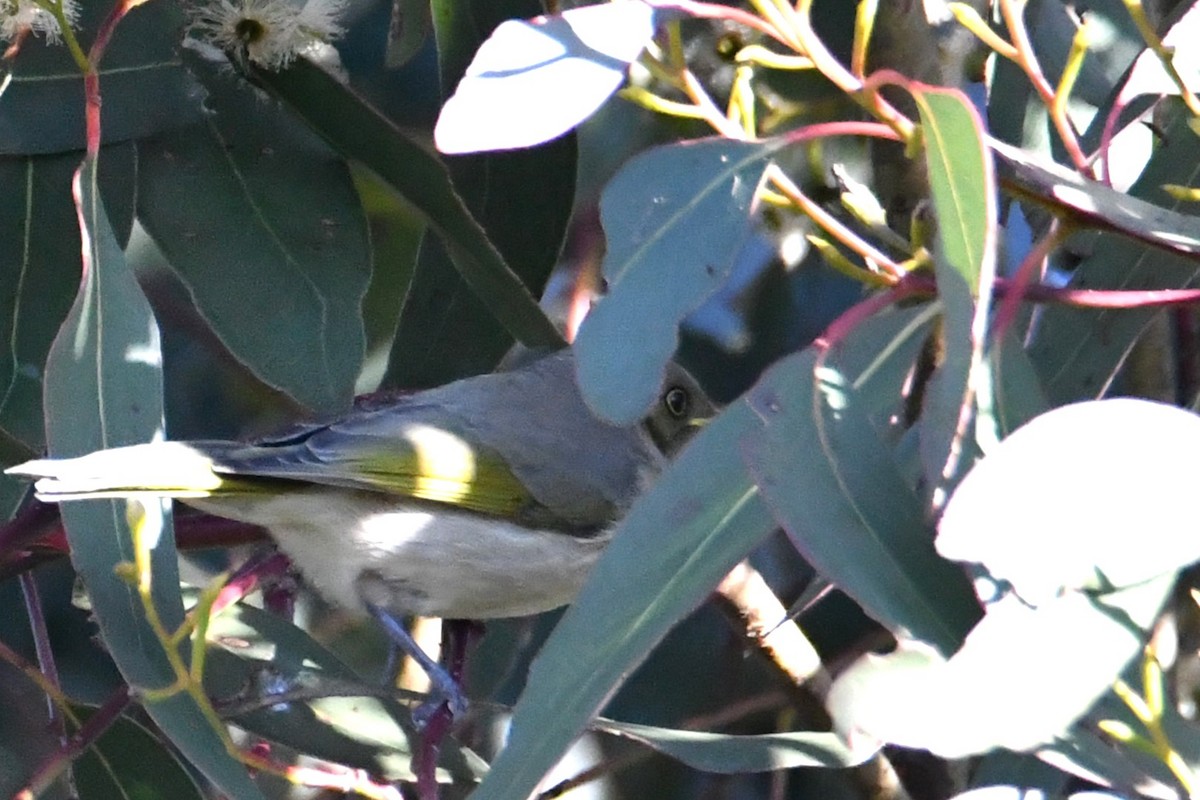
(677, 402)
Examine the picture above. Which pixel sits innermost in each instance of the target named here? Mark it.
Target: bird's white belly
(443, 563)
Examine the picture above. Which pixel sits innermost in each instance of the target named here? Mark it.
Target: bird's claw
(454, 703)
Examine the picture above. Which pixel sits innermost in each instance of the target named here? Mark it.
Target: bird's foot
(445, 693)
(444, 689)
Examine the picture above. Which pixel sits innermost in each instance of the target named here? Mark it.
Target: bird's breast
(430, 560)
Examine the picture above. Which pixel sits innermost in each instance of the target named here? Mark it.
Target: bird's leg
(445, 689)
(457, 637)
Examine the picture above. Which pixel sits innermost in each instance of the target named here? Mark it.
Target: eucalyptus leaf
(357, 130)
(834, 487)
(1077, 351)
(1022, 678)
(39, 269)
(642, 585)
(1016, 391)
(103, 389)
(963, 191)
(145, 86)
(533, 81)
(732, 755)
(251, 649)
(1094, 495)
(675, 218)
(129, 761)
(262, 221)
(1101, 206)
(445, 329)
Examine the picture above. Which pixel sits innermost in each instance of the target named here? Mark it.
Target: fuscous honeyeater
(488, 497)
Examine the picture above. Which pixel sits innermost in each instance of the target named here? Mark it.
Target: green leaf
(833, 485)
(1001, 768)
(643, 584)
(734, 755)
(961, 184)
(880, 354)
(358, 131)
(409, 27)
(1077, 351)
(329, 721)
(446, 330)
(262, 222)
(129, 762)
(103, 389)
(674, 218)
(1022, 678)
(39, 271)
(396, 235)
(1087, 752)
(143, 82)
(1017, 393)
(963, 190)
(1096, 205)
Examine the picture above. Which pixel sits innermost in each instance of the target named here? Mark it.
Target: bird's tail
(158, 469)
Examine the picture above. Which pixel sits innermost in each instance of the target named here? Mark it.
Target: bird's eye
(677, 402)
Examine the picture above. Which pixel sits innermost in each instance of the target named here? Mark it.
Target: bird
(488, 497)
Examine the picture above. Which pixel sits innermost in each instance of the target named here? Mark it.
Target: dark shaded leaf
(250, 647)
(39, 270)
(261, 220)
(142, 79)
(358, 131)
(522, 199)
(129, 762)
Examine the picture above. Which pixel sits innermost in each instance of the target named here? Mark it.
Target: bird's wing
(417, 453)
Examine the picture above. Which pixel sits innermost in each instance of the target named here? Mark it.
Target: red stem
(877, 130)
(716, 11)
(1023, 278)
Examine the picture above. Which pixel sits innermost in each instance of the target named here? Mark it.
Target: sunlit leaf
(1093, 495)
(533, 81)
(1022, 678)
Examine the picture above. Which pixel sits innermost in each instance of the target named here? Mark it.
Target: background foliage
(882, 277)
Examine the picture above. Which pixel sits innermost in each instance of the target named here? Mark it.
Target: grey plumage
(490, 496)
